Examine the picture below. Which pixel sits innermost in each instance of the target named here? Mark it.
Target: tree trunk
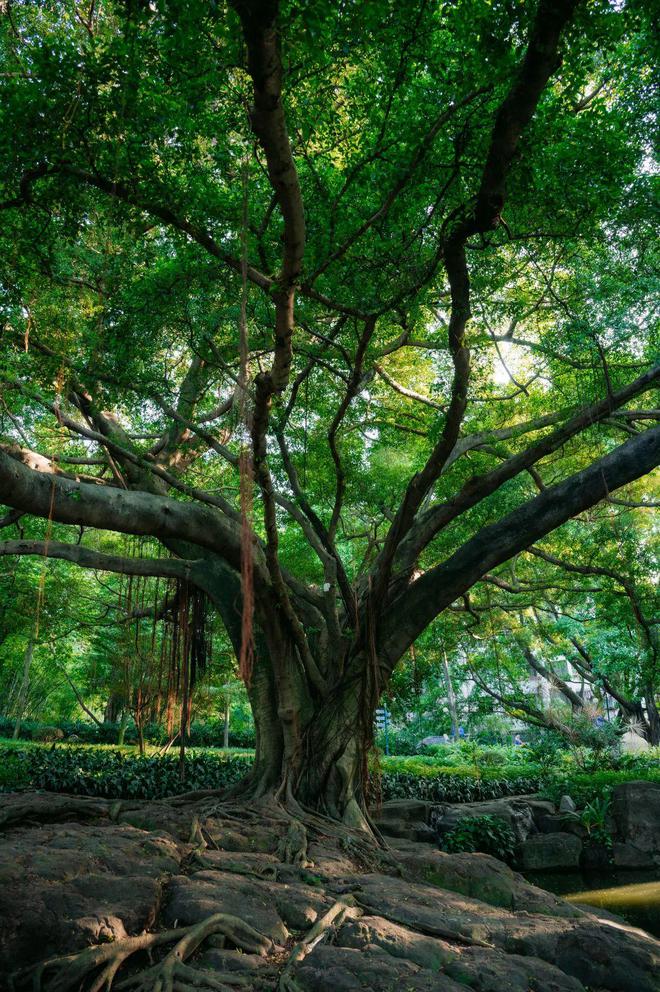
(451, 698)
(225, 735)
(310, 749)
(123, 724)
(653, 718)
(25, 682)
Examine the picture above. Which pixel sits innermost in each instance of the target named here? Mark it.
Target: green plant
(601, 837)
(114, 774)
(595, 814)
(594, 818)
(485, 834)
(586, 786)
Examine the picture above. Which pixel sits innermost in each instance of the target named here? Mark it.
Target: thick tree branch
(125, 511)
(495, 544)
(514, 115)
(478, 488)
(99, 560)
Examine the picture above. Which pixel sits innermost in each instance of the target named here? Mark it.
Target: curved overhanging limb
(99, 560)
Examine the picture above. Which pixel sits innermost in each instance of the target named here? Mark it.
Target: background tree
(582, 631)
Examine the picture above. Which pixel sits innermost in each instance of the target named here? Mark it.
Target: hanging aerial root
(344, 908)
(100, 964)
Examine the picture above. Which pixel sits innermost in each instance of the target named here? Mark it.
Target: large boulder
(636, 808)
(629, 856)
(562, 823)
(516, 813)
(481, 877)
(406, 818)
(543, 851)
(68, 885)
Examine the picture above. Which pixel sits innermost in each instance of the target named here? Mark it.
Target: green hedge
(208, 733)
(454, 787)
(583, 787)
(113, 774)
(98, 770)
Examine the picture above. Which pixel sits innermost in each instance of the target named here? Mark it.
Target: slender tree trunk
(225, 735)
(653, 717)
(25, 683)
(123, 724)
(451, 697)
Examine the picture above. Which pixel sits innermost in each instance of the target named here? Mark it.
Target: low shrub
(113, 774)
(485, 834)
(585, 787)
(424, 778)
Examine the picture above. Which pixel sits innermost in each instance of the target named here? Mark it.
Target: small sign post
(382, 722)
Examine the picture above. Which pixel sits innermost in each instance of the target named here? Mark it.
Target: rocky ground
(193, 894)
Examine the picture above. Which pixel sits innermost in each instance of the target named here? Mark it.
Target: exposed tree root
(292, 849)
(170, 974)
(300, 821)
(344, 908)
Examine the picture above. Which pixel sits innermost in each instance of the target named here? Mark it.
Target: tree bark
(225, 733)
(652, 717)
(25, 682)
(451, 698)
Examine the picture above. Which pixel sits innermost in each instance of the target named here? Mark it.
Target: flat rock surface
(66, 885)
(413, 920)
(480, 876)
(193, 898)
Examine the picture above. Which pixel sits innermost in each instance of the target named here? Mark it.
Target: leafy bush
(492, 728)
(642, 761)
(424, 778)
(14, 773)
(208, 733)
(486, 834)
(403, 741)
(590, 747)
(584, 787)
(545, 746)
(114, 774)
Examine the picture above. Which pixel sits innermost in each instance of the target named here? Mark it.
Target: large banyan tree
(344, 305)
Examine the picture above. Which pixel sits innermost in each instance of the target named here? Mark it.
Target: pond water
(634, 895)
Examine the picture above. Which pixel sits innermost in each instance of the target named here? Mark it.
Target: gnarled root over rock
(171, 974)
(223, 897)
(344, 909)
